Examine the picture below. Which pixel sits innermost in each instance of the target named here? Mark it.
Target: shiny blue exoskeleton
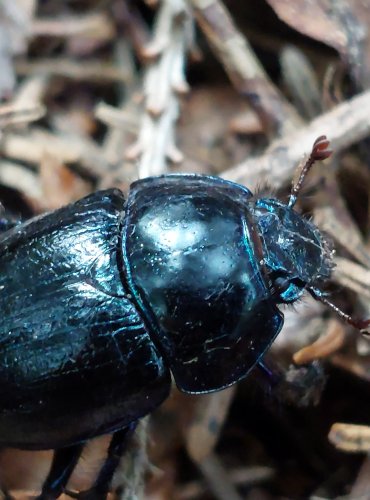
(102, 300)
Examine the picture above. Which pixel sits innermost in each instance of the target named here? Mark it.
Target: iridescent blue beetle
(102, 300)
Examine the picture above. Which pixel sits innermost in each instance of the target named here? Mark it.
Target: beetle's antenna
(319, 151)
(360, 324)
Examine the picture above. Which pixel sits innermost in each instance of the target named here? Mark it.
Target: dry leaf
(342, 25)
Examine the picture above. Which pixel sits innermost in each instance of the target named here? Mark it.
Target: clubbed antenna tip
(319, 152)
(320, 149)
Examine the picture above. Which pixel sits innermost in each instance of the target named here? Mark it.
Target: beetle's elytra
(102, 300)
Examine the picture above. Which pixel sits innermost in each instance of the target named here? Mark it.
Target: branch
(277, 116)
(163, 80)
(344, 125)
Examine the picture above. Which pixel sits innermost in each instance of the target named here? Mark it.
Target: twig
(135, 463)
(301, 81)
(352, 276)
(277, 116)
(326, 344)
(345, 125)
(96, 26)
(21, 179)
(163, 80)
(204, 430)
(246, 477)
(361, 486)
(13, 114)
(337, 222)
(218, 479)
(134, 28)
(122, 122)
(14, 29)
(31, 148)
(30, 93)
(91, 70)
(116, 118)
(27, 103)
(202, 436)
(350, 437)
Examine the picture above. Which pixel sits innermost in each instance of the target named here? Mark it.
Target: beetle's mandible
(103, 299)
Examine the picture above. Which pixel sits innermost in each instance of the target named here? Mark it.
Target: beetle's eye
(286, 289)
(281, 285)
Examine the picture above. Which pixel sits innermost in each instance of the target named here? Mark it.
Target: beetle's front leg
(117, 447)
(64, 461)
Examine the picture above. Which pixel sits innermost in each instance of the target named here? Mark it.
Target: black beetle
(103, 299)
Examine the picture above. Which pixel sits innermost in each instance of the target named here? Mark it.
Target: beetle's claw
(91, 494)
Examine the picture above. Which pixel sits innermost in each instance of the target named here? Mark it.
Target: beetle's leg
(265, 369)
(117, 447)
(62, 466)
(271, 372)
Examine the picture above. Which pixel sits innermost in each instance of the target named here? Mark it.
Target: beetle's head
(295, 253)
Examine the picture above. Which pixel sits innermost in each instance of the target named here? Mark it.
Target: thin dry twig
(326, 344)
(94, 25)
(350, 437)
(15, 19)
(352, 276)
(21, 179)
(163, 80)
(206, 425)
(361, 486)
(134, 465)
(338, 224)
(31, 92)
(123, 121)
(301, 81)
(15, 114)
(91, 70)
(277, 116)
(246, 477)
(32, 146)
(116, 118)
(344, 125)
(218, 479)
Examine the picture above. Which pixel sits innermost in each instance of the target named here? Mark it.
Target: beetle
(104, 299)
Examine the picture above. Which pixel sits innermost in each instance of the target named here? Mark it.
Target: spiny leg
(64, 461)
(117, 447)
